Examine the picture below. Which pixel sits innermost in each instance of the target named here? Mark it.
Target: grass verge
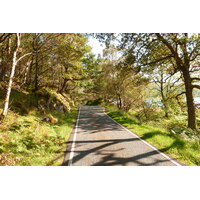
(30, 141)
(185, 151)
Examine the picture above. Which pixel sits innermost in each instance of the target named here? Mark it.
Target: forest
(149, 82)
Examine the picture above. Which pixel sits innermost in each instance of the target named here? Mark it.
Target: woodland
(146, 81)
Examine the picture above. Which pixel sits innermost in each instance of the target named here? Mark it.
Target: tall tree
(184, 50)
(181, 48)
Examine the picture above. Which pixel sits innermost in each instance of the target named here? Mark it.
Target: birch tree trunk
(14, 63)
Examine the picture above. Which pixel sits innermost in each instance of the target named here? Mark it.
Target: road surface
(98, 140)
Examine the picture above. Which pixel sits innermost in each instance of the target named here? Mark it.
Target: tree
(5, 54)
(55, 63)
(168, 86)
(12, 73)
(184, 49)
(118, 81)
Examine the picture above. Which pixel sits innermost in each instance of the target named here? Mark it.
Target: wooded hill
(48, 64)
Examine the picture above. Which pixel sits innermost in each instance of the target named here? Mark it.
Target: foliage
(121, 83)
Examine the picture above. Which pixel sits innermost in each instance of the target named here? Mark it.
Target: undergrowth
(29, 140)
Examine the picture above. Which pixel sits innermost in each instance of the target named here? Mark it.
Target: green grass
(28, 140)
(185, 151)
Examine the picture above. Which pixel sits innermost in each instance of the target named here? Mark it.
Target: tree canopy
(135, 69)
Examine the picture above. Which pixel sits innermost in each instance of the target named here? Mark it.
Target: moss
(63, 99)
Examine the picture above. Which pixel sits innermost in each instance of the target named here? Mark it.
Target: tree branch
(196, 86)
(156, 61)
(4, 36)
(23, 57)
(176, 95)
(173, 84)
(195, 79)
(192, 59)
(174, 53)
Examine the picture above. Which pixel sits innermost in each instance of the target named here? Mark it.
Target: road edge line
(74, 139)
(154, 148)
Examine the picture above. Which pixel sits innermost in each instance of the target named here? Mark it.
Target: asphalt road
(97, 140)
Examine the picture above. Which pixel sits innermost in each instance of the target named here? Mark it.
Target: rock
(51, 119)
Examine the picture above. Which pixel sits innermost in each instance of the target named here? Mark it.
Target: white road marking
(174, 162)
(74, 139)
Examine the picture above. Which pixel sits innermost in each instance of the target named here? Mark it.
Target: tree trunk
(165, 109)
(163, 96)
(119, 102)
(165, 105)
(36, 71)
(2, 71)
(26, 72)
(63, 86)
(5, 63)
(189, 99)
(29, 78)
(14, 63)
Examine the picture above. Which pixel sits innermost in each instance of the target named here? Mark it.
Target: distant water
(158, 101)
(197, 100)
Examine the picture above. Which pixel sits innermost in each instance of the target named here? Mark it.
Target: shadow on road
(95, 121)
(109, 158)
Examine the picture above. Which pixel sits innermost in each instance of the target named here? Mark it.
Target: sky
(97, 47)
